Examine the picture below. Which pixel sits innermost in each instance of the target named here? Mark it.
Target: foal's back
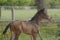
(24, 27)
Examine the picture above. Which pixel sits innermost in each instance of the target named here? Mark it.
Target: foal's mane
(36, 16)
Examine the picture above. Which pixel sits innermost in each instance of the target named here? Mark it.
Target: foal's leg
(40, 35)
(34, 36)
(14, 36)
(31, 37)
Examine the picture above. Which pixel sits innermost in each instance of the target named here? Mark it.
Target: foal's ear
(42, 10)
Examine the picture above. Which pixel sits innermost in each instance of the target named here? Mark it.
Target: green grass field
(48, 30)
(27, 14)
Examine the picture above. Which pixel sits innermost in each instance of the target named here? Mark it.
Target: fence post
(0, 12)
(12, 10)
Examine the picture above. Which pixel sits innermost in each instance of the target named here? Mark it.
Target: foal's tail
(5, 30)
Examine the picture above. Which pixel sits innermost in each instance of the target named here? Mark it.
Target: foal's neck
(36, 18)
(35, 21)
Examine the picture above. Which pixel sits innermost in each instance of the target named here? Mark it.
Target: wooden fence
(8, 7)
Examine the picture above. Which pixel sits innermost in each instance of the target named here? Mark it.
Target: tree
(41, 4)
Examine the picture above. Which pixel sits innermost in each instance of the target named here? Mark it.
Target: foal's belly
(27, 30)
(29, 33)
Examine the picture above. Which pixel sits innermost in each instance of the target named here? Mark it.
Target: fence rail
(55, 20)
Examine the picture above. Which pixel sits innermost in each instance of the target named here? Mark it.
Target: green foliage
(53, 3)
(2, 2)
(16, 2)
(50, 3)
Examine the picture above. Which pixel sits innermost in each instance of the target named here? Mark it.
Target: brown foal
(30, 27)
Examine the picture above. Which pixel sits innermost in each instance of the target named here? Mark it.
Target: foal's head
(43, 15)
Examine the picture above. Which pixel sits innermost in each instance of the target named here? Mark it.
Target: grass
(19, 14)
(47, 33)
(27, 14)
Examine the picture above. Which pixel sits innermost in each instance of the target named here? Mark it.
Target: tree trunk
(41, 4)
(0, 12)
